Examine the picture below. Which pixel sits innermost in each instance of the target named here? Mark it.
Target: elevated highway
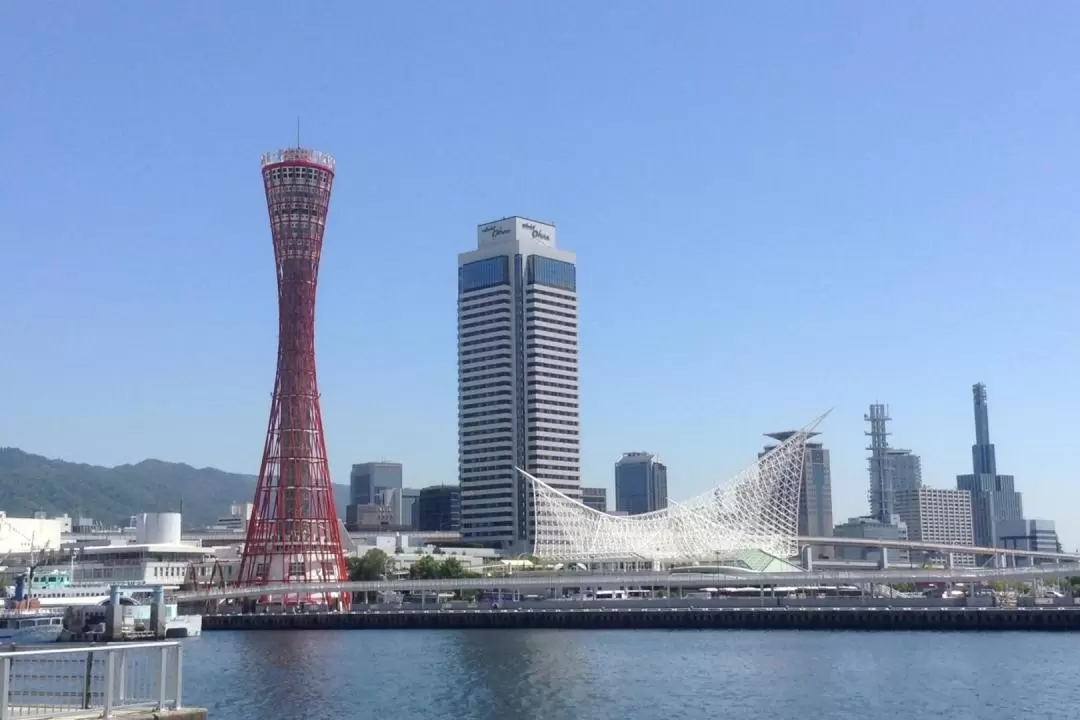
(945, 549)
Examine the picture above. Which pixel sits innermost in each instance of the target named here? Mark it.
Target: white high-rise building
(517, 377)
(936, 515)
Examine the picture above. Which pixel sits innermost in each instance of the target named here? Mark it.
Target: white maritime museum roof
(755, 510)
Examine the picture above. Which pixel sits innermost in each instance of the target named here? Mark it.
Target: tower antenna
(297, 132)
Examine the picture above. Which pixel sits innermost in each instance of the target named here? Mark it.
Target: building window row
(482, 299)
(541, 308)
(484, 274)
(542, 270)
(548, 381)
(468, 367)
(481, 306)
(501, 328)
(535, 330)
(541, 295)
(492, 351)
(475, 384)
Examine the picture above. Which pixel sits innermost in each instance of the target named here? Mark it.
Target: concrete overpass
(566, 579)
(941, 548)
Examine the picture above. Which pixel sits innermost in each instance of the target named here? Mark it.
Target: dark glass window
(484, 273)
(551, 272)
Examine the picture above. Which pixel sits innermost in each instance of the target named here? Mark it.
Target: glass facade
(484, 273)
(438, 508)
(640, 484)
(553, 273)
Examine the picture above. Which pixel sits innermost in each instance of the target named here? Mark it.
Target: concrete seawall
(777, 618)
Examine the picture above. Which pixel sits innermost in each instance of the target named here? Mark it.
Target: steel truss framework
(755, 510)
(293, 535)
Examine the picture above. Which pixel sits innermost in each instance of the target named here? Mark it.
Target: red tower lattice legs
(293, 535)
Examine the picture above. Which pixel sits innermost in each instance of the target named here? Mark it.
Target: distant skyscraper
(596, 498)
(517, 377)
(640, 484)
(815, 498)
(994, 499)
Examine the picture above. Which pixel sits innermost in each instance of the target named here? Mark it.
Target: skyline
(814, 233)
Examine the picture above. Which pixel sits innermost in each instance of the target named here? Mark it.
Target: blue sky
(777, 209)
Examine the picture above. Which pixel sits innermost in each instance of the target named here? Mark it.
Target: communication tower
(293, 534)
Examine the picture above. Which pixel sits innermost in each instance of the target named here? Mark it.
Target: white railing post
(121, 685)
(179, 676)
(5, 689)
(110, 678)
(163, 678)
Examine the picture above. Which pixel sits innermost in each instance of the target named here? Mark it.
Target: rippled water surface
(560, 674)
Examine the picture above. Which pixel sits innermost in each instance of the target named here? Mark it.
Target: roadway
(934, 547)
(565, 579)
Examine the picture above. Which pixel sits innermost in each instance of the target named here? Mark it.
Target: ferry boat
(30, 627)
(86, 581)
(24, 622)
(53, 588)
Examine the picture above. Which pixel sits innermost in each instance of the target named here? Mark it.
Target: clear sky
(777, 208)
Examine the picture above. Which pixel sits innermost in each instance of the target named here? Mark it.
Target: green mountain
(30, 483)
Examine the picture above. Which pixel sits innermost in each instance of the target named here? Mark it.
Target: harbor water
(645, 674)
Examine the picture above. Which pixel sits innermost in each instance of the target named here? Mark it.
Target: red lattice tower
(293, 535)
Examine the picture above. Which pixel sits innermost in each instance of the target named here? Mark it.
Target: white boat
(27, 627)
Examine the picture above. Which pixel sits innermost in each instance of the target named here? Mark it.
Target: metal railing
(90, 681)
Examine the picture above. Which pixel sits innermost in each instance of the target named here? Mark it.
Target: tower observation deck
(293, 535)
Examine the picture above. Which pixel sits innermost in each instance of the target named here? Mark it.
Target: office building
(438, 509)
(1034, 535)
(815, 497)
(596, 498)
(374, 496)
(935, 515)
(869, 528)
(994, 499)
(409, 496)
(640, 483)
(906, 469)
(517, 377)
(366, 479)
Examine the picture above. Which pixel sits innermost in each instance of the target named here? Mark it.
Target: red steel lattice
(293, 535)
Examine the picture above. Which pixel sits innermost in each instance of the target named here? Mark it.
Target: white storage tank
(157, 528)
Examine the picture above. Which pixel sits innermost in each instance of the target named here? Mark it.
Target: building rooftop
(148, 547)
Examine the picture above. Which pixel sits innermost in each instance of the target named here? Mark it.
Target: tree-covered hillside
(111, 495)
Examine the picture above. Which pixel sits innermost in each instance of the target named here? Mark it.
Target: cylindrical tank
(157, 529)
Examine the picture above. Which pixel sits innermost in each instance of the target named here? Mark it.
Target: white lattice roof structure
(755, 510)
